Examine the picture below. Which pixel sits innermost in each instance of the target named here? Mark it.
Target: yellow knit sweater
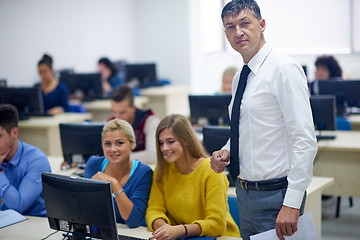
(198, 197)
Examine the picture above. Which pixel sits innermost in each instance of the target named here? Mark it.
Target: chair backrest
(343, 124)
(215, 137)
(234, 210)
(81, 139)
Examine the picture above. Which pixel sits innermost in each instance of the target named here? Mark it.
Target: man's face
(123, 110)
(7, 140)
(245, 33)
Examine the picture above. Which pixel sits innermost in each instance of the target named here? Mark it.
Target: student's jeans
(259, 209)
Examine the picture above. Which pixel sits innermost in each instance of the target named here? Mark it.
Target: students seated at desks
(130, 179)
(226, 80)
(187, 197)
(111, 77)
(143, 122)
(55, 93)
(327, 68)
(21, 166)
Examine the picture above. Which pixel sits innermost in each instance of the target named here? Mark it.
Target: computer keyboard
(325, 137)
(123, 237)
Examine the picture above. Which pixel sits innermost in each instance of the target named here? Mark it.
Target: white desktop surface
(44, 133)
(355, 122)
(36, 228)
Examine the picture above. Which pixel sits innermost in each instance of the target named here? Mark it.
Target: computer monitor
(141, 75)
(28, 101)
(88, 85)
(346, 92)
(82, 139)
(214, 108)
(324, 113)
(83, 207)
(3, 83)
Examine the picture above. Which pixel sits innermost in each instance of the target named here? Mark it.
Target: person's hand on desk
(219, 160)
(286, 222)
(168, 232)
(55, 110)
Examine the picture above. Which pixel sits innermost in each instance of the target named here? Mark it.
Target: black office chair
(214, 138)
(81, 139)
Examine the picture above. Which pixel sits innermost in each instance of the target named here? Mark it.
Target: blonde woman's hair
(123, 126)
(228, 71)
(184, 133)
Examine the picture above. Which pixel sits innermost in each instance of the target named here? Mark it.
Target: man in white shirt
(277, 143)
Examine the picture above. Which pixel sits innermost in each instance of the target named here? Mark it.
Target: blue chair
(342, 124)
(234, 210)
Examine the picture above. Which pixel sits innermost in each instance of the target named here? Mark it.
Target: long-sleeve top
(277, 136)
(198, 197)
(20, 181)
(137, 188)
(59, 97)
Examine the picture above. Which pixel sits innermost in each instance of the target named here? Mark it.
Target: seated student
(55, 93)
(226, 80)
(327, 68)
(21, 166)
(130, 179)
(143, 122)
(187, 197)
(110, 76)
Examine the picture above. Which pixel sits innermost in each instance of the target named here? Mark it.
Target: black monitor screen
(81, 139)
(347, 93)
(88, 85)
(28, 101)
(211, 107)
(81, 206)
(323, 111)
(141, 75)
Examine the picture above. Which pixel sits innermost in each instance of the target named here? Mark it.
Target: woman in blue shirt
(130, 179)
(111, 77)
(55, 93)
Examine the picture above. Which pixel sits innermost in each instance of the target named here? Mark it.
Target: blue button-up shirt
(20, 181)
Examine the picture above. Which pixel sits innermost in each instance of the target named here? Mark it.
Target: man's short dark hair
(9, 117)
(331, 64)
(236, 6)
(123, 93)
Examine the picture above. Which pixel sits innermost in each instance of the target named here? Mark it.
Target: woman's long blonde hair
(184, 133)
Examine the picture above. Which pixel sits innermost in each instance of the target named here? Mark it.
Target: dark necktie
(234, 124)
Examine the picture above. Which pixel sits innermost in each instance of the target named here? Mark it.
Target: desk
(313, 198)
(36, 228)
(355, 122)
(101, 109)
(340, 159)
(167, 100)
(43, 132)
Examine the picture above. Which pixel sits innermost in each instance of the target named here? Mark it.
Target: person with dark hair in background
(21, 166)
(111, 77)
(144, 123)
(327, 68)
(55, 93)
(272, 142)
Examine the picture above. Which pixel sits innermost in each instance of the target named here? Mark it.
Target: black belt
(264, 185)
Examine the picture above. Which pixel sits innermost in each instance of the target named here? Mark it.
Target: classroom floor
(347, 226)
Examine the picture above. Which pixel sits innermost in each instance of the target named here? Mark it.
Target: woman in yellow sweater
(187, 198)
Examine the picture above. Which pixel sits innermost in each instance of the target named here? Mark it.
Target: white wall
(161, 34)
(75, 33)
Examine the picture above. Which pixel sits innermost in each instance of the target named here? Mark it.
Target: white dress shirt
(277, 136)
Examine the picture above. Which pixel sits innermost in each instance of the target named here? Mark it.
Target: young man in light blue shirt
(21, 166)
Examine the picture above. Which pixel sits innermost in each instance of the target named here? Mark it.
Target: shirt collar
(16, 158)
(256, 62)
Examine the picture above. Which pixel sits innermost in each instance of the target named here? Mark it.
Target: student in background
(111, 77)
(21, 166)
(187, 198)
(55, 93)
(130, 179)
(327, 68)
(226, 80)
(143, 122)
